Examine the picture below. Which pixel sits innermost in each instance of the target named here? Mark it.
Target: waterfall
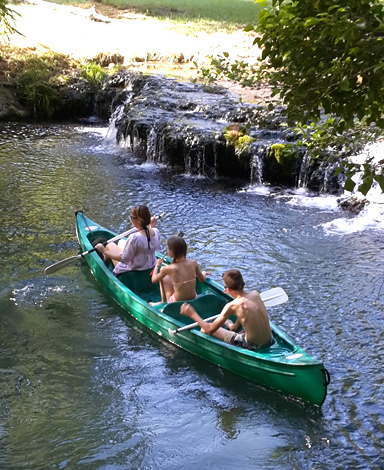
(201, 161)
(256, 162)
(111, 135)
(112, 130)
(183, 126)
(161, 147)
(214, 169)
(306, 161)
(152, 142)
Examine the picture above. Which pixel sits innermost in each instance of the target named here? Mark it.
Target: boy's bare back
(250, 310)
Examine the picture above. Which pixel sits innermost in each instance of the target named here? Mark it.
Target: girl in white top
(138, 252)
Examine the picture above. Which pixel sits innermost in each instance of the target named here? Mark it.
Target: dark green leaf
(366, 185)
(380, 180)
(349, 184)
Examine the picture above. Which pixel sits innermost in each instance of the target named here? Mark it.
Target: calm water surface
(84, 387)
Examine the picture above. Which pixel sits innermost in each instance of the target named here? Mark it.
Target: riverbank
(144, 44)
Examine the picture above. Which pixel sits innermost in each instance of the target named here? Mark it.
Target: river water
(84, 387)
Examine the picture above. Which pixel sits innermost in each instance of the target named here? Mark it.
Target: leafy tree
(328, 56)
(322, 56)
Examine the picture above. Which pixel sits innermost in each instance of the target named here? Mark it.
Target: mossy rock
(281, 167)
(237, 136)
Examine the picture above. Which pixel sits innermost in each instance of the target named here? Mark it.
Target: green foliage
(322, 57)
(93, 73)
(327, 56)
(41, 97)
(284, 153)
(236, 135)
(222, 67)
(38, 78)
(35, 84)
(371, 171)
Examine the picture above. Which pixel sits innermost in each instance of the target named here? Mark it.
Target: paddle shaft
(269, 298)
(68, 261)
(114, 239)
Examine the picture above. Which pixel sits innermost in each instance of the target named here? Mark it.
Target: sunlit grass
(194, 14)
(188, 19)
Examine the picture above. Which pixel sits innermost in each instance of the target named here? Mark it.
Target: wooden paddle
(271, 298)
(72, 259)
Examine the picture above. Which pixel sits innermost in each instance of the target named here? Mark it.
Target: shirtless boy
(247, 307)
(178, 279)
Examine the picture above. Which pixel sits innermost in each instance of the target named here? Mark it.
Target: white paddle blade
(61, 264)
(275, 296)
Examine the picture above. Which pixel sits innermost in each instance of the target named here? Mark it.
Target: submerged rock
(10, 107)
(353, 204)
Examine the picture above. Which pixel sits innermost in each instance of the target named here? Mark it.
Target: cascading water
(304, 168)
(183, 126)
(257, 158)
(152, 145)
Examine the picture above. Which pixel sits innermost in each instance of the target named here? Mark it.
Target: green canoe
(283, 366)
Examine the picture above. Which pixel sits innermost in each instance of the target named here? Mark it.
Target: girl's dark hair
(178, 247)
(144, 217)
(233, 279)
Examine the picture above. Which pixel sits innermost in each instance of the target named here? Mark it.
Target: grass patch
(221, 14)
(38, 76)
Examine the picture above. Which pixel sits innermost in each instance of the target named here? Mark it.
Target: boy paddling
(247, 307)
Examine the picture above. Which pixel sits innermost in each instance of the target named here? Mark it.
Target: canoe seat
(140, 283)
(206, 305)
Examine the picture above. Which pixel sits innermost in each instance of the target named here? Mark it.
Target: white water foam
(371, 217)
(149, 167)
(33, 295)
(303, 198)
(101, 131)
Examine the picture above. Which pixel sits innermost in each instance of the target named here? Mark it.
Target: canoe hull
(284, 367)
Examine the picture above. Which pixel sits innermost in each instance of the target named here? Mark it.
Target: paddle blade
(275, 296)
(61, 264)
